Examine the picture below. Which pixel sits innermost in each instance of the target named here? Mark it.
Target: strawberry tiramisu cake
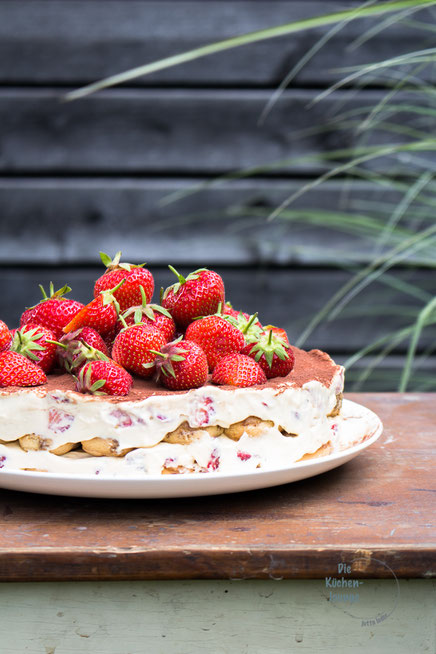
(124, 387)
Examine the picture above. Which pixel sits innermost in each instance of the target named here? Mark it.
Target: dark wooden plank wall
(97, 174)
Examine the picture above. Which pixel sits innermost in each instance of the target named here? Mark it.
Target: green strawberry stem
(108, 262)
(57, 343)
(109, 298)
(123, 321)
(25, 343)
(253, 318)
(175, 288)
(58, 294)
(143, 297)
(113, 264)
(84, 383)
(158, 354)
(182, 280)
(98, 384)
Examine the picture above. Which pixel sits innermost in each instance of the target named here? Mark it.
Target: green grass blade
(245, 39)
(382, 25)
(398, 336)
(371, 153)
(365, 277)
(416, 333)
(412, 193)
(419, 56)
(306, 58)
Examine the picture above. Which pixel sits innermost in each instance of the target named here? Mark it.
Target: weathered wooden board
(221, 616)
(65, 221)
(374, 514)
(173, 131)
(77, 41)
(282, 296)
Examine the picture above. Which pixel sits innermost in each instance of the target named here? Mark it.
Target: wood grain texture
(220, 616)
(288, 297)
(224, 223)
(77, 41)
(186, 131)
(374, 513)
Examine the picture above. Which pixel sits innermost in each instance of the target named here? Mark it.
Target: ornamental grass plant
(394, 141)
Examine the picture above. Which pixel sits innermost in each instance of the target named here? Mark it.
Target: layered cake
(186, 386)
(161, 431)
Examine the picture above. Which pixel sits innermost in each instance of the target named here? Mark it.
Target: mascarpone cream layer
(64, 416)
(298, 404)
(270, 450)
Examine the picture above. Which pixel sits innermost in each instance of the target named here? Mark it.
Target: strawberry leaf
(106, 260)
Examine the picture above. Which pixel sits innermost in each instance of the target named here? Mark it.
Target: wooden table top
(374, 513)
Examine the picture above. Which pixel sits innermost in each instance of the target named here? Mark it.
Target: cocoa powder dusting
(309, 366)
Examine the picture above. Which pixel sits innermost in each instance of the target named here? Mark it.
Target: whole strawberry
(17, 370)
(135, 277)
(181, 365)
(78, 347)
(199, 294)
(238, 370)
(36, 343)
(216, 336)
(103, 378)
(134, 347)
(101, 314)
(273, 354)
(5, 336)
(54, 311)
(150, 315)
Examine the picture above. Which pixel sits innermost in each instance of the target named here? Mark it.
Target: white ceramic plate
(193, 484)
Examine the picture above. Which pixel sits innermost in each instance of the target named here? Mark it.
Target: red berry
(78, 347)
(103, 378)
(135, 277)
(238, 370)
(273, 354)
(181, 365)
(32, 341)
(216, 336)
(199, 294)
(17, 370)
(5, 336)
(101, 314)
(133, 347)
(53, 312)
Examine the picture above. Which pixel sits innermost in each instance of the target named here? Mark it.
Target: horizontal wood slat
(281, 296)
(169, 131)
(224, 224)
(77, 41)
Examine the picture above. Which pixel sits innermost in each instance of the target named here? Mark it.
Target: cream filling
(269, 450)
(67, 417)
